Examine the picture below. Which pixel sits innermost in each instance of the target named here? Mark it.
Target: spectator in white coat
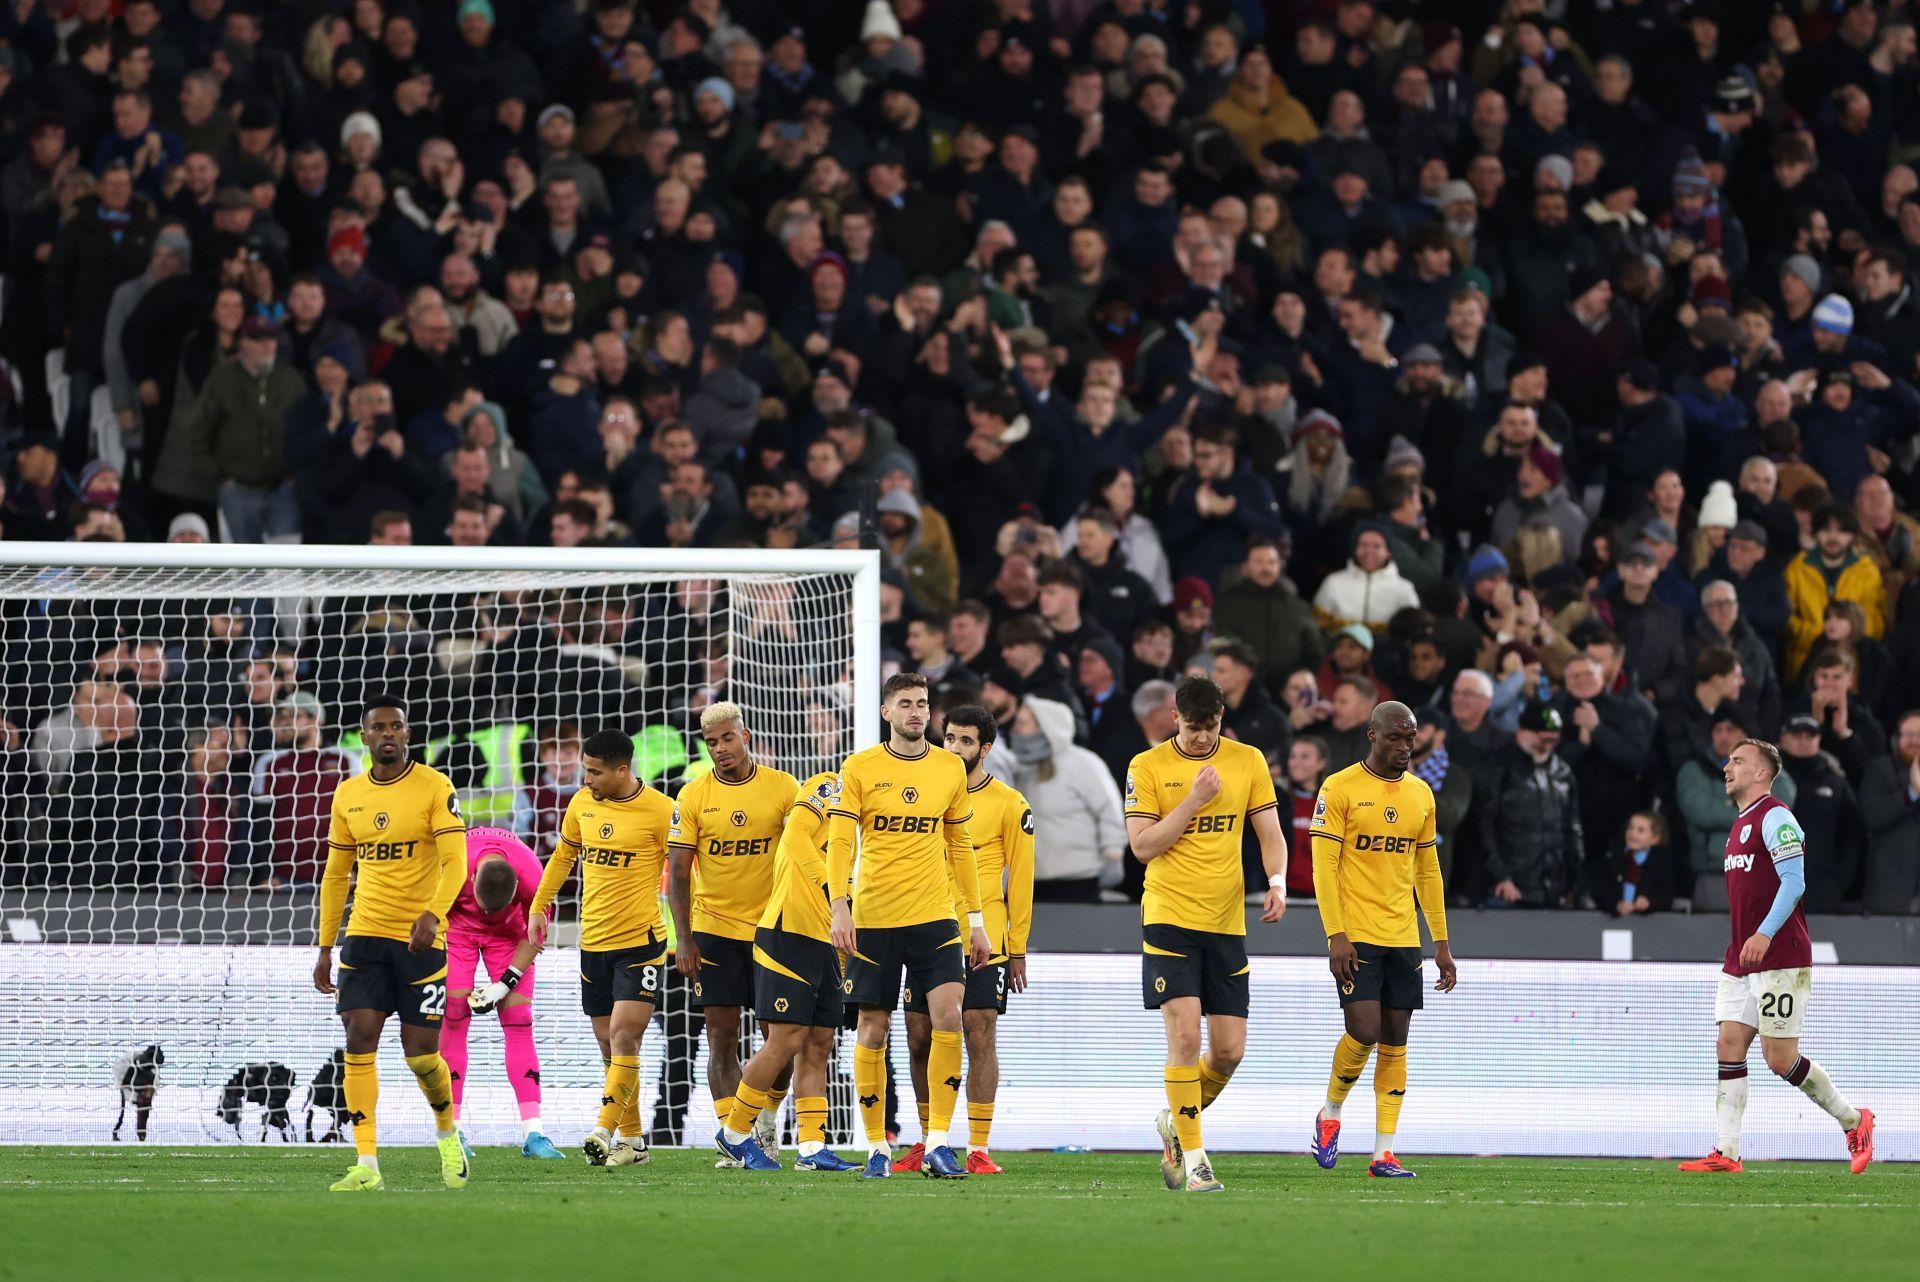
(1369, 590)
(1079, 835)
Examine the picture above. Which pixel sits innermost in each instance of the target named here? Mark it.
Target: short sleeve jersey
(902, 806)
(733, 830)
(1198, 883)
(393, 828)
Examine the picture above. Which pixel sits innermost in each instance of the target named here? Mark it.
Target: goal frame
(860, 566)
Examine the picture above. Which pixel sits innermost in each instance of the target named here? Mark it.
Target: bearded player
(907, 803)
(1002, 832)
(489, 921)
(1375, 852)
(1188, 803)
(1767, 973)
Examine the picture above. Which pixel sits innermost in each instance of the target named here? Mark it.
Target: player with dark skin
(730, 744)
(1390, 734)
(386, 733)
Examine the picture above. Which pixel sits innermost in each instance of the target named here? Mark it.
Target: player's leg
(1389, 1089)
(981, 1029)
(810, 1103)
(870, 1083)
(1180, 1017)
(782, 1042)
(360, 1085)
(523, 1070)
(1226, 1047)
(1782, 997)
(943, 1076)
(1401, 994)
(723, 1057)
(463, 956)
(619, 1101)
(919, 1045)
(1736, 1011)
(872, 987)
(1360, 1005)
(421, 1045)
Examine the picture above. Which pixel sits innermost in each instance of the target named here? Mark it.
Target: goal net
(176, 719)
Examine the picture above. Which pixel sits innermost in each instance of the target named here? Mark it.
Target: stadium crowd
(1548, 366)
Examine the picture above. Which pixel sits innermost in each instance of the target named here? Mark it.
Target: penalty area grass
(212, 1214)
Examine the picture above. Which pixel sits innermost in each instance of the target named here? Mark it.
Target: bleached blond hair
(720, 713)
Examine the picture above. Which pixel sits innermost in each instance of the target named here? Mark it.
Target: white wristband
(1277, 882)
(976, 921)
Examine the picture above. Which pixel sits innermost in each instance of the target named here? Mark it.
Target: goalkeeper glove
(485, 999)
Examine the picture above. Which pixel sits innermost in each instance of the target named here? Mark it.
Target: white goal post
(173, 718)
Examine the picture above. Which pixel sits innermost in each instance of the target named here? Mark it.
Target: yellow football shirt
(1198, 884)
(799, 904)
(1374, 847)
(405, 847)
(733, 830)
(622, 847)
(910, 814)
(1002, 832)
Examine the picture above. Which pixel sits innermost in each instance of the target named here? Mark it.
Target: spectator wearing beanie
(1585, 346)
(1540, 496)
(1654, 632)
(1649, 437)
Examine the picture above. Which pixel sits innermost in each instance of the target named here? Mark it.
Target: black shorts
(726, 971)
(380, 974)
(796, 980)
(1177, 962)
(622, 975)
(986, 990)
(1390, 976)
(932, 953)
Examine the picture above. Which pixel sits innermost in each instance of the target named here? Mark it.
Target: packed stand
(1555, 376)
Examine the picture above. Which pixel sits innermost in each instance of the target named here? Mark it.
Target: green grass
(264, 1213)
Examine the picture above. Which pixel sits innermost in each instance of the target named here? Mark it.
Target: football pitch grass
(124, 1212)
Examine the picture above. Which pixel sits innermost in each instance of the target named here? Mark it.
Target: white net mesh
(173, 737)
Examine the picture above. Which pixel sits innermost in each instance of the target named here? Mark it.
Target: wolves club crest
(909, 795)
(606, 832)
(1393, 816)
(739, 818)
(380, 821)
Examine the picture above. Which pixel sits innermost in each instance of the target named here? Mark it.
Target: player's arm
(800, 841)
(843, 825)
(1263, 812)
(1432, 896)
(683, 838)
(1151, 834)
(966, 867)
(1782, 836)
(483, 999)
(559, 867)
(1018, 843)
(1328, 835)
(333, 895)
(450, 840)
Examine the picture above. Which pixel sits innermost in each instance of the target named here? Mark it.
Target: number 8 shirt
(621, 845)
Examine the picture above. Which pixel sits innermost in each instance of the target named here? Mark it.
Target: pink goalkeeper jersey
(510, 923)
